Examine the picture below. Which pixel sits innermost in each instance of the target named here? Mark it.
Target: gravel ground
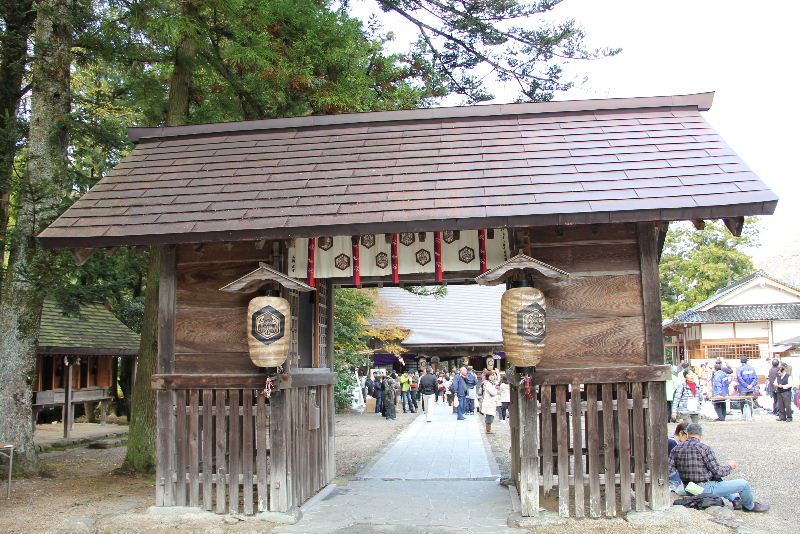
(82, 493)
(768, 453)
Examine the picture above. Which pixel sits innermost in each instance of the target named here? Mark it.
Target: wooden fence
(219, 458)
(596, 446)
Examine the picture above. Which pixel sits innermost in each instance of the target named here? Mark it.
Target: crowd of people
(488, 394)
(691, 388)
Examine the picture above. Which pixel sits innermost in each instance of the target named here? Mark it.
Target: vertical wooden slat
(165, 416)
(562, 430)
(194, 447)
(638, 447)
(234, 450)
(659, 470)
(624, 447)
(608, 445)
(221, 439)
(208, 448)
(247, 450)
(577, 446)
(513, 422)
(547, 439)
(331, 410)
(529, 450)
(593, 450)
(261, 454)
(181, 445)
(278, 488)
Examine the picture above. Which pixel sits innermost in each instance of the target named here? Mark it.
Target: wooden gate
(220, 451)
(601, 446)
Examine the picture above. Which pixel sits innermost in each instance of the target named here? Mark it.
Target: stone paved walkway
(437, 477)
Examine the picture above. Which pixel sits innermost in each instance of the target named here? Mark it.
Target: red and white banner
(460, 251)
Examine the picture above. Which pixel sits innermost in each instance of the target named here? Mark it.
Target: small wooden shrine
(421, 196)
(75, 359)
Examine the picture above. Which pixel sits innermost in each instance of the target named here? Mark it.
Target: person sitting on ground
(696, 462)
(688, 398)
(680, 435)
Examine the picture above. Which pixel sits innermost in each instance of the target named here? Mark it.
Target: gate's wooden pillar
(165, 399)
(528, 441)
(279, 494)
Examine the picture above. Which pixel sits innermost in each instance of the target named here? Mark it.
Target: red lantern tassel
(482, 250)
(356, 261)
(395, 260)
(437, 255)
(312, 261)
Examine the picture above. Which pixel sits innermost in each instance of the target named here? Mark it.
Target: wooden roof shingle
(571, 162)
(96, 331)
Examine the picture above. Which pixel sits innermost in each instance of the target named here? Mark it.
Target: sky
(746, 52)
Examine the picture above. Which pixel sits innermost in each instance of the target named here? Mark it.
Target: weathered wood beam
(317, 377)
(82, 255)
(260, 244)
(651, 292)
(699, 224)
(602, 375)
(735, 225)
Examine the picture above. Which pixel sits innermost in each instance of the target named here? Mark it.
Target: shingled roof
(590, 161)
(741, 312)
(96, 331)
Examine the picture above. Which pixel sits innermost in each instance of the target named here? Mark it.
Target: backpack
(699, 502)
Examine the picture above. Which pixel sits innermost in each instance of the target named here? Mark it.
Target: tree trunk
(39, 194)
(18, 17)
(141, 455)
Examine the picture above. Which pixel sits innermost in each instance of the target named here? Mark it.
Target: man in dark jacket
(459, 388)
(748, 384)
(771, 391)
(377, 388)
(427, 388)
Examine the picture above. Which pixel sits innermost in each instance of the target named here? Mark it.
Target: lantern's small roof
(460, 168)
(262, 276)
(520, 262)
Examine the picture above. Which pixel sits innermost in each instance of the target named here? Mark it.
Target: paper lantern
(524, 317)
(269, 323)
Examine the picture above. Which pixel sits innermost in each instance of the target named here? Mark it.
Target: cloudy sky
(746, 52)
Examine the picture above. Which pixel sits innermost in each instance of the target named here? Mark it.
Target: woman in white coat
(489, 400)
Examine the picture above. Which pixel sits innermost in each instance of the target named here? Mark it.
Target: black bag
(699, 502)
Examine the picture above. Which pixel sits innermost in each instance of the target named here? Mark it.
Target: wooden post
(278, 427)
(651, 293)
(67, 410)
(165, 400)
(577, 446)
(529, 453)
(562, 431)
(659, 470)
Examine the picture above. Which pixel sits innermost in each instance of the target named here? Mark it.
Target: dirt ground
(83, 494)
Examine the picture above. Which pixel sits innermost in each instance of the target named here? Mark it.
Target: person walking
(696, 462)
(720, 382)
(459, 388)
(783, 387)
(377, 389)
(748, 384)
(489, 400)
(688, 399)
(505, 397)
(415, 395)
(428, 386)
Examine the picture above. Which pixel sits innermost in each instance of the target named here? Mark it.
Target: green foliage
(697, 263)
(351, 307)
